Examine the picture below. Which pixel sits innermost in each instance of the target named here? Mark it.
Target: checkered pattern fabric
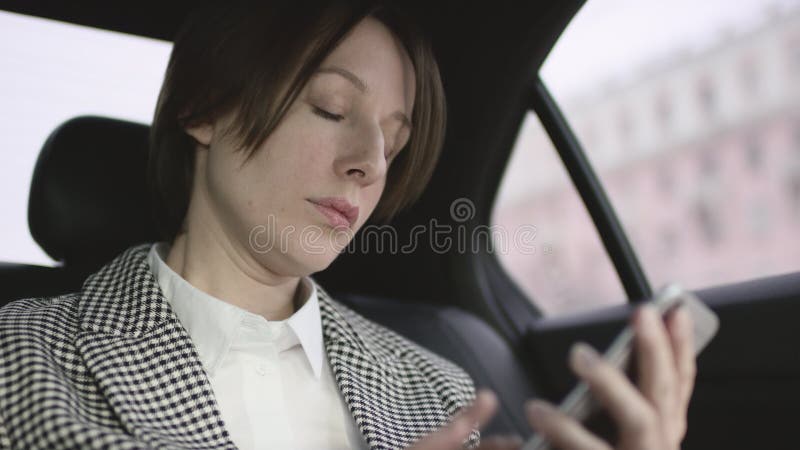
(112, 367)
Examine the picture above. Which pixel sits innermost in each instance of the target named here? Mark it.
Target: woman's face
(337, 140)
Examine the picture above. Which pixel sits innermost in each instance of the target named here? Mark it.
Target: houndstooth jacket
(111, 367)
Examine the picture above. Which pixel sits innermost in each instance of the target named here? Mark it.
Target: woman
(279, 130)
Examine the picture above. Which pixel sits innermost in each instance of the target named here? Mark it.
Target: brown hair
(253, 59)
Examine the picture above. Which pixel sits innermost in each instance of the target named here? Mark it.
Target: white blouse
(271, 379)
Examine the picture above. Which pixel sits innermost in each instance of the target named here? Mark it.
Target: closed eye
(327, 115)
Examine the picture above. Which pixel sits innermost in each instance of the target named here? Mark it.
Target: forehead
(372, 53)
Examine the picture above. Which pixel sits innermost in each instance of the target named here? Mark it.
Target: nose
(363, 158)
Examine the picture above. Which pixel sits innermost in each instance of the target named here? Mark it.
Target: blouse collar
(215, 325)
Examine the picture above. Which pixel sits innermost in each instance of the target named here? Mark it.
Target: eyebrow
(362, 86)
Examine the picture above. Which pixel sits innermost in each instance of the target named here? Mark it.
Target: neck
(220, 269)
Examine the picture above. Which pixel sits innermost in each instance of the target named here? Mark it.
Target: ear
(202, 133)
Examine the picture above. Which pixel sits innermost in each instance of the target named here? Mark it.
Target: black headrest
(88, 199)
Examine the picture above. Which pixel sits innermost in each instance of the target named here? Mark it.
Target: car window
(563, 267)
(690, 116)
(52, 71)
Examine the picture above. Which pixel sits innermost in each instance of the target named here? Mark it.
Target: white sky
(609, 37)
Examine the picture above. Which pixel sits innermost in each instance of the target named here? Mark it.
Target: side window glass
(691, 117)
(50, 72)
(564, 267)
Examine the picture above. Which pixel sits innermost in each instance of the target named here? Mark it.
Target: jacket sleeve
(454, 384)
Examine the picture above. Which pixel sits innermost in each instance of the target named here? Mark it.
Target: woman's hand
(453, 435)
(652, 417)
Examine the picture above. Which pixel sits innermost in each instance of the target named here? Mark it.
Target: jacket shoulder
(37, 330)
(38, 318)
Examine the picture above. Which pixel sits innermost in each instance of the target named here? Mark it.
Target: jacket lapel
(390, 399)
(144, 361)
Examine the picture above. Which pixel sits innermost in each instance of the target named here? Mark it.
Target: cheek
(305, 149)
(293, 153)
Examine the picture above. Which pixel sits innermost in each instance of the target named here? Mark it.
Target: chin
(301, 253)
(317, 263)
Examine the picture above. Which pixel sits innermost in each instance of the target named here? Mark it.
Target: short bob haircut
(252, 59)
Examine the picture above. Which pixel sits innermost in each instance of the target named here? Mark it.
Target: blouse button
(261, 369)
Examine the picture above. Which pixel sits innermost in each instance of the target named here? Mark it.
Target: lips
(337, 210)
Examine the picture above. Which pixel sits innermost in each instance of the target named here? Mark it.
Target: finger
(481, 410)
(561, 430)
(681, 334)
(501, 443)
(633, 414)
(453, 435)
(658, 377)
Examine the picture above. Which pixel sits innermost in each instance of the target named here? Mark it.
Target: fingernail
(583, 357)
(538, 410)
(684, 321)
(645, 314)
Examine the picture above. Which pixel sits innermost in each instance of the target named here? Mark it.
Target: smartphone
(579, 403)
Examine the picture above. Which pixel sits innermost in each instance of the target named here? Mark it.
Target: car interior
(88, 202)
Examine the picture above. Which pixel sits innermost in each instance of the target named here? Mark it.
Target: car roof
(160, 20)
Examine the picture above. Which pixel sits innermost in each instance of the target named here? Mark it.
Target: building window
(754, 152)
(793, 53)
(748, 74)
(709, 163)
(663, 109)
(706, 95)
(708, 220)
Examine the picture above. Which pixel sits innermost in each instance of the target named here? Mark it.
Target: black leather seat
(88, 202)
